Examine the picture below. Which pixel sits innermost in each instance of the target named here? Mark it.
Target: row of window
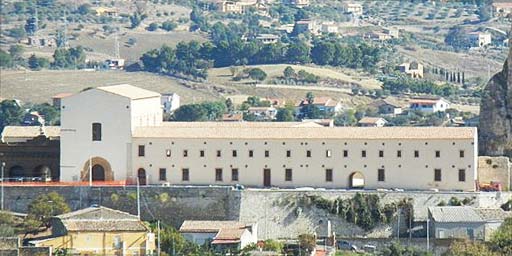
(328, 153)
(288, 175)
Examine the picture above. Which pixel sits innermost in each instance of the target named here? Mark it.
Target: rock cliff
(495, 129)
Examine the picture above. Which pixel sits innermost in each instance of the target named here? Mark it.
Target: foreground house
(139, 145)
(99, 230)
(465, 222)
(372, 122)
(387, 107)
(429, 105)
(220, 235)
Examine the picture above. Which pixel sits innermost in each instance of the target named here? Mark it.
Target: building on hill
(429, 104)
(303, 26)
(263, 113)
(57, 99)
(480, 39)
(299, 3)
(326, 104)
(354, 8)
(372, 122)
(502, 9)
(138, 145)
(267, 38)
(170, 102)
(387, 107)
(99, 230)
(465, 222)
(31, 153)
(413, 69)
(222, 236)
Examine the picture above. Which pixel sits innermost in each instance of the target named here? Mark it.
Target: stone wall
(495, 169)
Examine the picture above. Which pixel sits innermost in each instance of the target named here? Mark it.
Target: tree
(347, 118)
(50, 113)
(5, 59)
(257, 74)
(10, 113)
(16, 52)
(396, 249)
(284, 115)
(191, 112)
(17, 33)
(307, 242)
(172, 241)
(41, 209)
(36, 63)
(31, 25)
(84, 9)
(136, 19)
(289, 72)
(469, 248)
(298, 53)
(152, 27)
(169, 25)
(322, 53)
(502, 238)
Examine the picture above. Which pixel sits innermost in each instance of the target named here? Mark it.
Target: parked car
(369, 248)
(346, 246)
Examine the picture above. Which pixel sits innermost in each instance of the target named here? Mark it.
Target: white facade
(429, 105)
(354, 8)
(479, 39)
(134, 142)
(170, 102)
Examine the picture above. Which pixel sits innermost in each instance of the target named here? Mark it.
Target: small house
(387, 107)
(170, 102)
(263, 113)
(326, 104)
(429, 105)
(354, 8)
(372, 122)
(413, 69)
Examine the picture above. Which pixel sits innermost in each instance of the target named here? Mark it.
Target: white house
(387, 107)
(429, 105)
(263, 113)
(221, 235)
(480, 39)
(354, 8)
(372, 122)
(122, 137)
(326, 104)
(170, 102)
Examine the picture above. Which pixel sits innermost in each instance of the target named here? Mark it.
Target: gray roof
(467, 214)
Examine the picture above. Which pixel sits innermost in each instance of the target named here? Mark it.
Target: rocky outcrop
(495, 129)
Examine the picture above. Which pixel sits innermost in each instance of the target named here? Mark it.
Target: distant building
(464, 222)
(267, 38)
(99, 230)
(263, 113)
(276, 102)
(241, 6)
(429, 105)
(413, 69)
(372, 122)
(222, 236)
(387, 107)
(105, 11)
(393, 32)
(57, 99)
(379, 36)
(326, 104)
(233, 117)
(502, 9)
(42, 41)
(354, 8)
(33, 118)
(170, 102)
(115, 63)
(329, 27)
(299, 3)
(480, 39)
(303, 26)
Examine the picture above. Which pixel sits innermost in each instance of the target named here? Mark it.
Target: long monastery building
(119, 131)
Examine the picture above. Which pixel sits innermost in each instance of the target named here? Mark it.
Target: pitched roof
(31, 131)
(277, 130)
(62, 95)
(371, 120)
(100, 219)
(209, 226)
(129, 91)
(323, 101)
(382, 102)
(467, 214)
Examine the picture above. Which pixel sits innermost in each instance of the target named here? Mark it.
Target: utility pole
(398, 224)
(158, 226)
(138, 198)
(90, 170)
(3, 167)
(428, 234)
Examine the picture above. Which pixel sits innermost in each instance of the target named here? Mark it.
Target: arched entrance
(98, 173)
(42, 171)
(356, 180)
(141, 174)
(16, 172)
(101, 170)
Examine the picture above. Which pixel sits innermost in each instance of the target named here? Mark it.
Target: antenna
(138, 198)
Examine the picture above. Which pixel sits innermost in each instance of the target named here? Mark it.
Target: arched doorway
(98, 173)
(42, 171)
(16, 172)
(356, 180)
(141, 174)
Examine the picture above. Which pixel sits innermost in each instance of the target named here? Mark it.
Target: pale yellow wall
(102, 243)
(406, 172)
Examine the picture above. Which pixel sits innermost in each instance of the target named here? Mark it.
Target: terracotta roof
(129, 91)
(230, 233)
(30, 131)
(371, 120)
(247, 130)
(209, 226)
(62, 95)
(100, 219)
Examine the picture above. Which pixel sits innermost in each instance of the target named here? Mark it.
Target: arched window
(141, 175)
(98, 173)
(96, 132)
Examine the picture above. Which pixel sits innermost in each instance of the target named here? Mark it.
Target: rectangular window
(288, 175)
(219, 153)
(142, 150)
(363, 153)
(438, 154)
(96, 132)
(162, 176)
(234, 174)
(462, 175)
(168, 152)
(437, 174)
(381, 153)
(267, 153)
(345, 153)
(234, 153)
(308, 153)
(328, 153)
(251, 153)
(185, 174)
(288, 153)
(185, 153)
(201, 153)
(461, 153)
(328, 175)
(218, 174)
(381, 175)
(416, 153)
(399, 153)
